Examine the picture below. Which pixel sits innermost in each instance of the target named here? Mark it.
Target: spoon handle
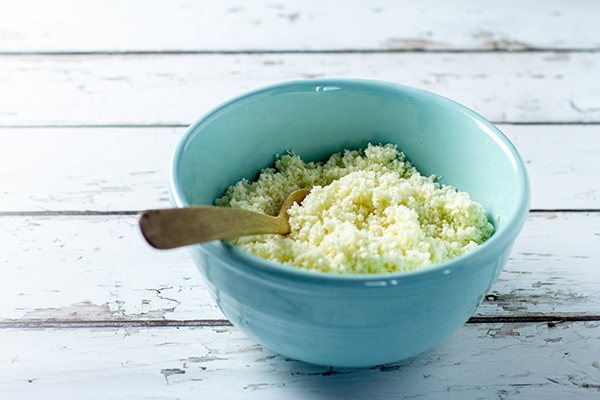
(175, 227)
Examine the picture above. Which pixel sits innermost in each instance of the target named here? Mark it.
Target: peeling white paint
(528, 361)
(86, 288)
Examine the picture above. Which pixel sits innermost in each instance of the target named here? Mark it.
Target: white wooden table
(93, 98)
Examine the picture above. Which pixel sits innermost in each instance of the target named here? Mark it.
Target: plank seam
(565, 210)
(524, 123)
(322, 51)
(92, 213)
(65, 213)
(61, 324)
(551, 320)
(98, 126)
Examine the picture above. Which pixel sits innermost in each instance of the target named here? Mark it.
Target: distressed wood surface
(176, 89)
(88, 310)
(79, 169)
(532, 360)
(98, 268)
(109, 26)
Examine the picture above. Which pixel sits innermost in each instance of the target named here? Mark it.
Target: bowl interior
(316, 118)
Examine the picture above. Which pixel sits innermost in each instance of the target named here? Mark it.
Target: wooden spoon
(174, 227)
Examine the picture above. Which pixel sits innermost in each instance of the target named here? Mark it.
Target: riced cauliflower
(369, 211)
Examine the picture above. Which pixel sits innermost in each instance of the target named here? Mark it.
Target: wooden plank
(529, 361)
(78, 169)
(98, 268)
(553, 269)
(69, 25)
(94, 268)
(177, 89)
(562, 162)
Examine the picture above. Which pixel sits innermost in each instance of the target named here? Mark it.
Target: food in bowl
(369, 211)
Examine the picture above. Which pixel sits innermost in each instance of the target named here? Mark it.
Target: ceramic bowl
(357, 320)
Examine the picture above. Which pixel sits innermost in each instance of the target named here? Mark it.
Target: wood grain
(529, 361)
(384, 25)
(171, 89)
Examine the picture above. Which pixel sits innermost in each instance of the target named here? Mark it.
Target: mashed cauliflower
(369, 211)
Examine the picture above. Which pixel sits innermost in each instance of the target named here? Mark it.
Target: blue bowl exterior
(359, 320)
(348, 323)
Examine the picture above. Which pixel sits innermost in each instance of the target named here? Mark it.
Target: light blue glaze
(350, 320)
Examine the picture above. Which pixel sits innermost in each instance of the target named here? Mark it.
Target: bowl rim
(500, 240)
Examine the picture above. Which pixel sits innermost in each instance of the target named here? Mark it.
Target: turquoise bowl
(357, 320)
